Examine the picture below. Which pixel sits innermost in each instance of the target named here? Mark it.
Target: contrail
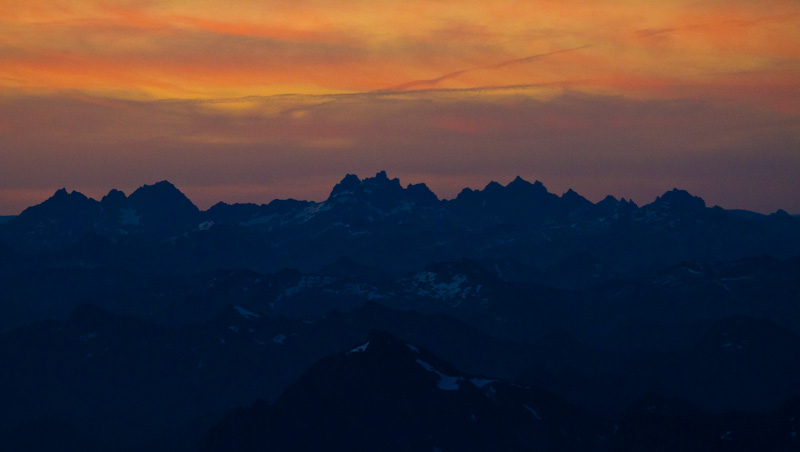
(402, 88)
(455, 74)
(533, 57)
(355, 95)
(432, 81)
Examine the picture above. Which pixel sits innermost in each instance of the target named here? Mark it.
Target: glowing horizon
(277, 99)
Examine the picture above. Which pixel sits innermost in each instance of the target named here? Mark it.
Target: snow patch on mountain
(446, 382)
(306, 283)
(360, 349)
(533, 412)
(426, 284)
(480, 382)
(249, 315)
(311, 211)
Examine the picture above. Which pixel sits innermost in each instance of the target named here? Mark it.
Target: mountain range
(507, 318)
(378, 222)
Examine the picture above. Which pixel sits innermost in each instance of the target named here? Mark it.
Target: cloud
(261, 95)
(451, 75)
(597, 145)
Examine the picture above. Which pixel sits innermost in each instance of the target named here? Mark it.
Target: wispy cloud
(451, 75)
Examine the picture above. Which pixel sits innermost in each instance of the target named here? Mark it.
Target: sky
(249, 101)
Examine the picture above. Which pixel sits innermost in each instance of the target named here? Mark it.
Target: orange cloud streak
(203, 49)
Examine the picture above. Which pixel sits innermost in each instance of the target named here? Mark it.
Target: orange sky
(252, 100)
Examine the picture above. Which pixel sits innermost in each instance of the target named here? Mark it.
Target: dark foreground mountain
(390, 395)
(129, 383)
(105, 379)
(387, 394)
(734, 363)
(656, 423)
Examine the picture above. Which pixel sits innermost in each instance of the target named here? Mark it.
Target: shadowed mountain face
(386, 394)
(389, 395)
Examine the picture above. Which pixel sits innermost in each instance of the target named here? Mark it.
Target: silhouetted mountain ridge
(378, 222)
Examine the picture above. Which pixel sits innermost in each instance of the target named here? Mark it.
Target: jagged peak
(114, 198)
(610, 202)
(62, 193)
(160, 188)
(382, 189)
(164, 197)
(347, 185)
(680, 198)
(114, 193)
(421, 192)
(520, 184)
(221, 205)
(466, 191)
(163, 185)
(574, 199)
(381, 180)
(570, 193)
(63, 198)
(492, 186)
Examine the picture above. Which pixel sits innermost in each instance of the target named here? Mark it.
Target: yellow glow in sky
(190, 49)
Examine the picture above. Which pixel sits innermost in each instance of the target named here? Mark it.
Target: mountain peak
(386, 394)
(63, 201)
(492, 186)
(162, 186)
(780, 213)
(115, 199)
(62, 194)
(382, 180)
(681, 199)
(383, 338)
(163, 204)
(381, 192)
(348, 184)
(575, 201)
(520, 185)
(161, 192)
(421, 194)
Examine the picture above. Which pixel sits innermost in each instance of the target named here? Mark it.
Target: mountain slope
(390, 395)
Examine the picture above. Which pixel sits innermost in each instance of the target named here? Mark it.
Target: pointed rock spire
(680, 199)
(347, 185)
